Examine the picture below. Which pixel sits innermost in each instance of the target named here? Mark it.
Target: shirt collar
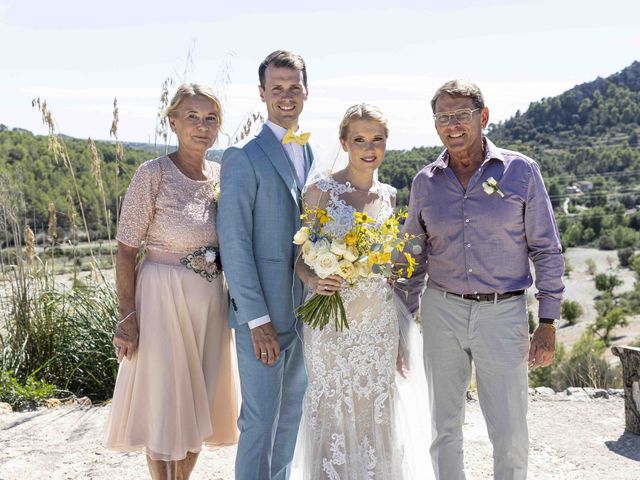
(491, 152)
(277, 130)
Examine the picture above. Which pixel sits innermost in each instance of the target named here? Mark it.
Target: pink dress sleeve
(139, 204)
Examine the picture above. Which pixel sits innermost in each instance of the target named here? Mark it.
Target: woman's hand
(125, 340)
(324, 286)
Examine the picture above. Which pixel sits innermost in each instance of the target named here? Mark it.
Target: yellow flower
(351, 238)
(323, 217)
(411, 264)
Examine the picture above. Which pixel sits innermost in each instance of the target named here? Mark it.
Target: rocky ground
(579, 435)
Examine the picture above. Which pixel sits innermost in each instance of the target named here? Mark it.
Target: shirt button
(468, 245)
(466, 220)
(475, 293)
(465, 197)
(470, 270)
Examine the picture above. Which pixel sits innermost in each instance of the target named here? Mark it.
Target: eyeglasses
(463, 116)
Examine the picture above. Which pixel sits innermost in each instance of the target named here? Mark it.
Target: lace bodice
(342, 212)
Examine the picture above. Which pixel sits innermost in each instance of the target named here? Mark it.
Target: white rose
(325, 264)
(347, 270)
(338, 247)
(350, 254)
(309, 252)
(302, 236)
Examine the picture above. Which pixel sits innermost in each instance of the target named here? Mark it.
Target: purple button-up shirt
(476, 242)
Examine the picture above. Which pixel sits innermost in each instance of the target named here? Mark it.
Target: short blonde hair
(362, 111)
(192, 90)
(459, 88)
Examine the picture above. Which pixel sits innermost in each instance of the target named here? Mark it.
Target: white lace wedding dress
(349, 411)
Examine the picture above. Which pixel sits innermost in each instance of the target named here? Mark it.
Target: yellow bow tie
(290, 137)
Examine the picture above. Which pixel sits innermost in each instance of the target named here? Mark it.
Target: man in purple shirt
(483, 213)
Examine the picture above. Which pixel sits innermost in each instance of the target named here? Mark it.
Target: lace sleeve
(139, 204)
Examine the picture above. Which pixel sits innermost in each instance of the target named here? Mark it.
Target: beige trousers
(495, 336)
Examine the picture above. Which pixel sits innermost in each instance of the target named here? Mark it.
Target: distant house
(584, 185)
(572, 189)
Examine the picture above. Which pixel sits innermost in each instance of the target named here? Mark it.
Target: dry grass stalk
(30, 242)
(96, 170)
(97, 173)
(71, 213)
(53, 224)
(245, 129)
(59, 149)
(162, 124)
(119, 154)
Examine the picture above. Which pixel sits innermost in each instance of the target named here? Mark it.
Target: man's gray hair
(459, 88)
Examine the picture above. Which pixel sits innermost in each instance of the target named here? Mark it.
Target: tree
(610, 316)
(624, 256)
(606, 283)
(571, 310)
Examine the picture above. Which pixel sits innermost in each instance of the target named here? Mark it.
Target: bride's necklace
(372, 189)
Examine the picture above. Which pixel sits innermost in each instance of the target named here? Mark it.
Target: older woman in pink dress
(175, 389)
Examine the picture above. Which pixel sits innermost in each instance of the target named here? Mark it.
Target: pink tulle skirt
(178, 391)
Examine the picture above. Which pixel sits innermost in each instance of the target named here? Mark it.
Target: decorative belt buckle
(205, 262)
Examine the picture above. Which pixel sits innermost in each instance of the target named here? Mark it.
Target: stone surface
(569, 440)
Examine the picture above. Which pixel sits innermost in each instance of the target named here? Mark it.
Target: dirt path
(572, 437)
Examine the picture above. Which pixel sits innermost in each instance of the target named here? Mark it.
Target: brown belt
(487, 297)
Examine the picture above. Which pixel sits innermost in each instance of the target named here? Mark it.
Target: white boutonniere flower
(491, 186)
(215, 188)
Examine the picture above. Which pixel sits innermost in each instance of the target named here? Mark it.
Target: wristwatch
(548, 321)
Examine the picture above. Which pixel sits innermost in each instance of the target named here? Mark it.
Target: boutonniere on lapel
(491, 186)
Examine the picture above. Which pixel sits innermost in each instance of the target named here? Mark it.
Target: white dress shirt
(296, 155)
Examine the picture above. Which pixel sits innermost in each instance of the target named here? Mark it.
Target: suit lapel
(278, 157)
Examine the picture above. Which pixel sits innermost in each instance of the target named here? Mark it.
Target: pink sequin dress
(178, 391)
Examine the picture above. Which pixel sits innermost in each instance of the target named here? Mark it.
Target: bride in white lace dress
(350, 410)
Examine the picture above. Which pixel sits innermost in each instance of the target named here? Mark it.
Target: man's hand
(543, 346)
(265, 343)
(125, 340)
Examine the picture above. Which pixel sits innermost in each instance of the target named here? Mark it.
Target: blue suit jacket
(258, 215)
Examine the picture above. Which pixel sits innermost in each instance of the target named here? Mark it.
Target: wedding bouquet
(366, 251)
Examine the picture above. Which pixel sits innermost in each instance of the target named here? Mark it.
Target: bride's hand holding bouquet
(368, 250)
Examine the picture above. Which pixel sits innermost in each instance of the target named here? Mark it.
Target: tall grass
(53, 332)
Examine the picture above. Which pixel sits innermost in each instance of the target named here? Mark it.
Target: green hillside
(31, 179)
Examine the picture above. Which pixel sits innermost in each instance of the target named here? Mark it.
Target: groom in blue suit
(258, 214)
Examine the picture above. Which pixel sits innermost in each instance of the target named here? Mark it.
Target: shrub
(61, 335)
(571, 310)
(591, 267)
(606, 283)
(607, 242)
(624, 256)
(24, 395)
(583, 367)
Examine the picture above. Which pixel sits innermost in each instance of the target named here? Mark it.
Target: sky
(79, 56)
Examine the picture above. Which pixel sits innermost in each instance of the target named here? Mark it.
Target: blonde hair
(192, 90)
(362, 111)
(459, 88)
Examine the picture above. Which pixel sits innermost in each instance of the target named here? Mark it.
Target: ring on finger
(263, 354)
